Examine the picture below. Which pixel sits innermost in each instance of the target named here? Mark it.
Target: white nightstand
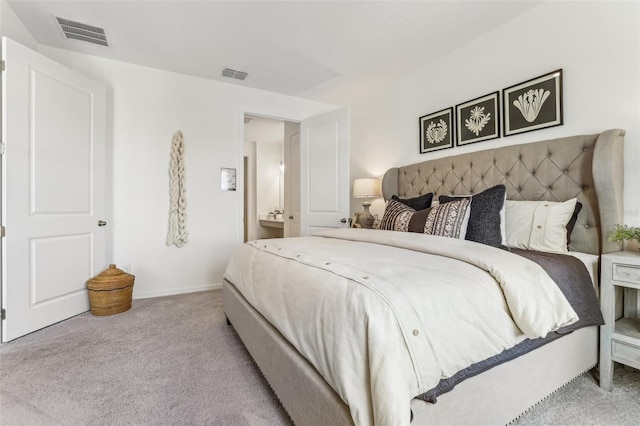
(619, 339)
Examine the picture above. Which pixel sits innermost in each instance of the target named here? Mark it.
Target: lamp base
(365, 219)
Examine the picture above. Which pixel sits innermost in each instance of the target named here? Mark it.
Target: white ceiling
(301, 48)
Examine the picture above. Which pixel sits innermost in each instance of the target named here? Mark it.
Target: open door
(53, 190)
(324, 172)
(291, 179)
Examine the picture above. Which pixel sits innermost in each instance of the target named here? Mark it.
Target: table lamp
(365, 188)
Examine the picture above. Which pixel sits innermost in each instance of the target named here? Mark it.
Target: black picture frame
(533, 104)
(478, 120)
(436, 131)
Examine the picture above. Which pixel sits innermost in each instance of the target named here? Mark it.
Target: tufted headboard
(588, 167)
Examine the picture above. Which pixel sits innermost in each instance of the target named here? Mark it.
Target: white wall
(146, 107)
(597, 44)
(11, 26)
(268, 157)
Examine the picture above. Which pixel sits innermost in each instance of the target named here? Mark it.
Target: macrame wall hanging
(178, 234)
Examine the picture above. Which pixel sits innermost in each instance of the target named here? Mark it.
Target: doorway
(272, 177)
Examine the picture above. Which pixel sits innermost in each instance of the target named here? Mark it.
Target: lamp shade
(366, 187)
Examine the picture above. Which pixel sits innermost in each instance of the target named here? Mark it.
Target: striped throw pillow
(446, 220)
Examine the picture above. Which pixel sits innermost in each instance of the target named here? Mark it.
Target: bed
(309, 380)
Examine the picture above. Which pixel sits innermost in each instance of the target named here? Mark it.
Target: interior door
(324, 172)
(292, 179)
(53, 189)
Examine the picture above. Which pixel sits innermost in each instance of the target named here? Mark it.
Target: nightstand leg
(606, 364)
(607, 296)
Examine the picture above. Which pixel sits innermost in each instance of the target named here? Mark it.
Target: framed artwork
(534, 104)
(436, 131)
(478, 119)
(227, 179)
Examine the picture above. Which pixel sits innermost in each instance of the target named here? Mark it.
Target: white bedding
(383, 323)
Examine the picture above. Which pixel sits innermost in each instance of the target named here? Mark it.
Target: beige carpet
(174, 361)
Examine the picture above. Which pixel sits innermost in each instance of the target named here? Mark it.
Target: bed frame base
(308, 399)
(495, 397)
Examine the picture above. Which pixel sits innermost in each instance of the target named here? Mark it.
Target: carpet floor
(174, 361)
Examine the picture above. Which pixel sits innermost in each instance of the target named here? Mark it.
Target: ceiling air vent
(239, 75)
(83, 32)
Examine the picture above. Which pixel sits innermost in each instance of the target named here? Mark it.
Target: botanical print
(478, 120)
(437, 133)
(436, 130)
(530, 103)
(533, 104)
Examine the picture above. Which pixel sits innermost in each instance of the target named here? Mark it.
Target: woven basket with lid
(111, 291)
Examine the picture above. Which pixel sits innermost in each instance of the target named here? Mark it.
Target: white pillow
(503, 221)
(538, 225)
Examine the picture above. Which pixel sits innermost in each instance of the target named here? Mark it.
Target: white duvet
(384, 315)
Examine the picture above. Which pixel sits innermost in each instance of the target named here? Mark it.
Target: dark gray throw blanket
(573, 279)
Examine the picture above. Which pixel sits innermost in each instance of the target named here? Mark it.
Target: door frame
(240, 175)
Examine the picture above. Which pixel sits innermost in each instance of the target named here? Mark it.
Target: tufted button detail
(520, 158)
(494, 161)
(506, 174)
(584, 150)
(453, 167)
(548, 154)
(519, 188)
(585, 187)
(550, 188)
(566, 171)
(533, 173)
(586, 226)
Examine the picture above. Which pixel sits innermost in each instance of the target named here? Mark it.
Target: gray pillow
(484, 220)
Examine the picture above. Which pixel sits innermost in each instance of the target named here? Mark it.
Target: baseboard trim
(174, 291)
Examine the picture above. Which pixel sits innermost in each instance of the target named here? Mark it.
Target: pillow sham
(446, 220)
(486, 222)
(538, 225)
(418, 203)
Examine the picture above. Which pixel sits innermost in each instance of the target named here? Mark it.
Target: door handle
(102, 223)
(343, 220)
(290, 217)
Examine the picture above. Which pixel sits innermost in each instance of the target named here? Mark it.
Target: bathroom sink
(270, 221)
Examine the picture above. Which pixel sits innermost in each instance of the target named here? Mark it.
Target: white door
(292, 179)
(53, 190)
(324, 172)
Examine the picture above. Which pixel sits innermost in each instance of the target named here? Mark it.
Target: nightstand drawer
(626, 273)
(626, 353)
